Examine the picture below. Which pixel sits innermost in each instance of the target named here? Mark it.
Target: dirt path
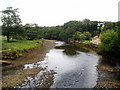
(14, 75)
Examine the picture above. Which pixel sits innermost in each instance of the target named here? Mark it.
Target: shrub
(109, 42)
(88, 35)
(82, 37)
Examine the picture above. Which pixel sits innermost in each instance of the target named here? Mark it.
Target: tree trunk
(8, 38)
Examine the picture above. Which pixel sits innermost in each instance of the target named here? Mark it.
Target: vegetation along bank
(16, 48)
(12, 28)
(18, 38)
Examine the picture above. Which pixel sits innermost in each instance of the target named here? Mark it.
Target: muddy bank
(73, 66)
(14, 75)
(108, 72)
(19, 73)
(95, 48)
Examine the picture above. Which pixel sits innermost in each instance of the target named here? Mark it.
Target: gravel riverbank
(14, 74)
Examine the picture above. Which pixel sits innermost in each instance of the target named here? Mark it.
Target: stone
(4, 62)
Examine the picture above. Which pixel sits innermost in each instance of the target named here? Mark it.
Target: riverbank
(108, 74)
(16, 48)
(94, 47)
(107, 70)
(14, 74)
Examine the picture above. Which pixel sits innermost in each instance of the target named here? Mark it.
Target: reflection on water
(65, 66)
(71, 49)
(108, 68)
(68, 66)
(109, 74)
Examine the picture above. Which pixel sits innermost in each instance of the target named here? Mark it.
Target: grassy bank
(87, 44)
(95, 48)
(14, 48)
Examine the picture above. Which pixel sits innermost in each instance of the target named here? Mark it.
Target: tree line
(12, 28)
(73, 30)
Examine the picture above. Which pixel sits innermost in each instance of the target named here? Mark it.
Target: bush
(82, 37)
(88, 35)
(76, 36)
(109, 42)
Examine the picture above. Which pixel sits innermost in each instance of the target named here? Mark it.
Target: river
(70, 66)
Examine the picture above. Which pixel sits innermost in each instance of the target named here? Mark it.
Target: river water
(65, 66)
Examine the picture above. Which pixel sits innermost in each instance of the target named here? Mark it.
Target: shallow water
(65, 66)
(109, 69)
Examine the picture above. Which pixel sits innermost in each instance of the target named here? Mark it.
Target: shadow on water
(71, 50)
(70, 66)
(108, 68)
(65, 66)
(109, 73)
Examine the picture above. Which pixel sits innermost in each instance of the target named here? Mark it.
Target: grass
(20, 45)
(14, 47)
(84, 41)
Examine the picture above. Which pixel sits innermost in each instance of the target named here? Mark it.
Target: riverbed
(70, 66)
(66, 66)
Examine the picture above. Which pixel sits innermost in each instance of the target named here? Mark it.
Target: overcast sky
(57, 12)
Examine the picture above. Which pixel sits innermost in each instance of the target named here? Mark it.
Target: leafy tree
(82, 37)
(63, 35)
(109, 25)
(79, 36)
(109, 41)
(9, 18)
(19, 32)
(88, 35)
(76, 36)
(32, 31)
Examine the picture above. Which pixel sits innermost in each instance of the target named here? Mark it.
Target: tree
(109, 42)
(63, 35)
(109, 25)
(19, 32)
(76, 36)
(110, 39)
(82, 37)
(32, 31)
(88, 35)
(9, 18)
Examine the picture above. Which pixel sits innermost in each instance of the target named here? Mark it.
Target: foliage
(88, 35)
(76, 36)
(109, 25)
(73, 30)
(19, 33)
(10, 20)
(81, 36)
(14, 48)
(31, 31)
(109, 42)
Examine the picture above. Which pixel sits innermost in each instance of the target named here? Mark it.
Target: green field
(19, 45)
(14, 47)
